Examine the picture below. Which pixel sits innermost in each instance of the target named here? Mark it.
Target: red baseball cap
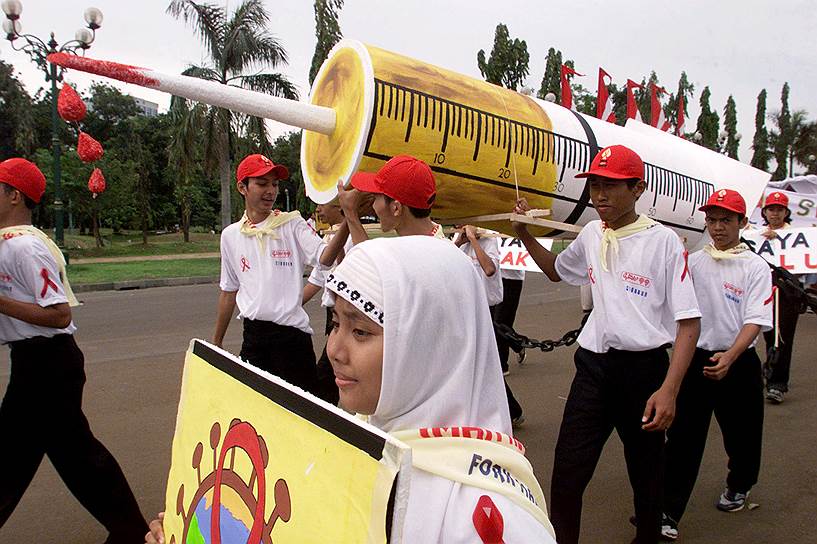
(255, 166)
(777, 198)
(407, 180)
(616, 162)
(24, 176)
(726, 199)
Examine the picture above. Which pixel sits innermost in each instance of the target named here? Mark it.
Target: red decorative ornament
(88, 149)
(97, 182)
(69, 104)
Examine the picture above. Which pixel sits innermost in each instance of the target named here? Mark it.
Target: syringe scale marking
(677, 186)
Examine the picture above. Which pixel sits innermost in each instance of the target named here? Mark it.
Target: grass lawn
(130, 244)
(137, 270)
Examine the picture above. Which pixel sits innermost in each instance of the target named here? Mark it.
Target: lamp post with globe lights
(38, 50)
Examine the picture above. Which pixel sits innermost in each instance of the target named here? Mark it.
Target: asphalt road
(134, 342)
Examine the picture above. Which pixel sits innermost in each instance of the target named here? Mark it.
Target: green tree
(327, 31)
(708, 122)
(551, 82)
(782, 138)
(805, 147)
(508, 64)
(730, 125)
(760, 142)
(16, 121)
(237, 45)
(685, 89)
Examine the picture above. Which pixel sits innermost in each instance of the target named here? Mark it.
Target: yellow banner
(256, 460)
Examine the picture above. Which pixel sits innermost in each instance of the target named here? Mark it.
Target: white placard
(792, 249)
(514, 256)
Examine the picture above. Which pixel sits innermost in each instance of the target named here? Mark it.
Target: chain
(520, 341)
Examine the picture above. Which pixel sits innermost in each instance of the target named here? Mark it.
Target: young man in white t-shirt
(733, 286)
(262, 262)
(643, 302)
(41, 413)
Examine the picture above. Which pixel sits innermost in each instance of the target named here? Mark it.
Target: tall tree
(327, 31)
(805, 147)
(508, 63)
(708, 122)
(760, 142)
(686, 89)
(238, 44)
(550, 81)
(783, 137)
(16, 121)
(730, 125)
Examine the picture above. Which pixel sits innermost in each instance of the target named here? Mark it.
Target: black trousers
(505, 313)
(41, 414)
(326, 388)
(737, 402)
(281, 350)
(514, 408)
(788, 313)
(609, 392)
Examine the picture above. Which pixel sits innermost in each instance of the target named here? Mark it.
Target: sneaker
(669, 528)
(731, 501)
(518, 421)
(775, 396)
(520, 357)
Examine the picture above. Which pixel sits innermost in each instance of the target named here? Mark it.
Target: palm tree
(237, 44)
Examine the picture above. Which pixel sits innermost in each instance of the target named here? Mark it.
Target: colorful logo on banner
(257, 461)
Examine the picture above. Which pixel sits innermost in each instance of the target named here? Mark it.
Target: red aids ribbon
(488, 521)
(590, 274)
(686, 265)
(245, 264)
(46, 282)
(771, 297)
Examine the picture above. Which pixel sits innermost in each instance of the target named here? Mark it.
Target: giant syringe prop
(486, 144)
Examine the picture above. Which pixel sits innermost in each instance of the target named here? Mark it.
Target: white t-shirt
(731, 293)
(318, 274)
(639, 299)
(270, 282)
(28, 273)
(493, 284)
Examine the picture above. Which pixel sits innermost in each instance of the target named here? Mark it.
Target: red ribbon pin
(488, 521)
(46, 282)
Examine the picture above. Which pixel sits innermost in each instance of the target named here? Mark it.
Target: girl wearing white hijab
(412, 346)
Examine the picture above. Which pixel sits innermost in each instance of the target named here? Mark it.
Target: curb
(143, 284)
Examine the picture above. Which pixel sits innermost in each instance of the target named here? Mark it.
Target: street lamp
(38, 50)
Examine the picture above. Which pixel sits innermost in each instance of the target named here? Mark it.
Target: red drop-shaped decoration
(96, 184)
(88, 149)
(69, 104)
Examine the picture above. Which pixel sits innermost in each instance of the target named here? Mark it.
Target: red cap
(777, 198)
(23, 176)
(407, 180)
(726, 199)
(616, 162)
(255, 166)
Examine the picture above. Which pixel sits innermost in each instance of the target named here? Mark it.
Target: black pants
(737, 402)
(281, 350)
(514, 407)
(609, 392)
(41, 414)
(505, 314)
(778, 369)
(326, 388)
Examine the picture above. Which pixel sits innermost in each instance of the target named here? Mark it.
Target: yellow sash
(20, 230)
(610, 236)
(731, 253)
(275, 220)
(479, 458)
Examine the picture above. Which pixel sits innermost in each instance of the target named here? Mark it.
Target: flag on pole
(657, 118)
(604, 104)
(632, 107)
(679, 126)
(567, 93)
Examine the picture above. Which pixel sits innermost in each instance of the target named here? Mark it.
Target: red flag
(632, 107)
(679, 128)
(567, 93)
(657, 118)
(604, 104)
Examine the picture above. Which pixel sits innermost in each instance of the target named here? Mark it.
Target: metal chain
(520, 341)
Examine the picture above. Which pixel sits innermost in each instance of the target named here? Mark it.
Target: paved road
(134, 343)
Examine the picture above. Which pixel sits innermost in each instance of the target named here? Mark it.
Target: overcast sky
(736, 47)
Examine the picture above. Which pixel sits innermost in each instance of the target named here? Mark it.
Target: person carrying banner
(643, 302)
(262, 260)
(41, 412)
(733, 286)
(787, 308)
(417, 358)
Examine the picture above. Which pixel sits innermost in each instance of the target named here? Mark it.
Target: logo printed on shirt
(732, 292)
(280, 254)
(245, 264)
(6, 277)
(47, 283)
(590, 274)
(636, 279)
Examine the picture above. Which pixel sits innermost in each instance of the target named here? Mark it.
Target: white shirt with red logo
(493, 284)
(637, 301)
(269, 281)
(731, 293)
(28, 273)
(318, 274)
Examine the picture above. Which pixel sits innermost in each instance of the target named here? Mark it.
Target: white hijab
(440, 369)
